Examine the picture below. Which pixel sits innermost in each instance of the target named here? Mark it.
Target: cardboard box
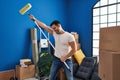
(109, 65)
(62, 74)
(78, 46)
(110, 38)
(6, 75)
(75, 35)
(25, 72)
(77, 41)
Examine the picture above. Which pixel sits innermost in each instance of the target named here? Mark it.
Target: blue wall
(15, 41)
(80, 21)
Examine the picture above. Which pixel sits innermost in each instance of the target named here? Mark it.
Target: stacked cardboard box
(109, 68)
(110, 39)
(25, 62)
(25, 72)
(109, 57)
(6, 75)
(76, 36)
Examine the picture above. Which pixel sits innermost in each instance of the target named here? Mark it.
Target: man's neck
(62, 32)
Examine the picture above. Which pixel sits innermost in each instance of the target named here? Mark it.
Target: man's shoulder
(68, 33)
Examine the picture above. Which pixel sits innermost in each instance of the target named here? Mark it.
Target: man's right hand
(41, 24)
(32, 17)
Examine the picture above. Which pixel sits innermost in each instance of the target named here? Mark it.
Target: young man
(65, 47)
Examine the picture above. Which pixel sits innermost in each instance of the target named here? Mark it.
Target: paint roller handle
(67, 66)
(32, 17)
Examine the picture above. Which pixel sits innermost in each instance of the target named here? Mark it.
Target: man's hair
(55, 22)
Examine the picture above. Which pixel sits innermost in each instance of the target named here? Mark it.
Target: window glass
(103, 19)
(118, 6)
(96, 35)
(103, 2)
(118, 17)
(103, 25)
(96, 12)
(118, 0)
(96, 27)
(98, 4)
(96, 19)
(118, 24)
(111, 24)
(96, 43)
(103, 10)
(112, 18)
(112, 9)
(95, 51)
(112, 1)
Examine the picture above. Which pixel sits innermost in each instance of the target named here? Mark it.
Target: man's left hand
(63, 58)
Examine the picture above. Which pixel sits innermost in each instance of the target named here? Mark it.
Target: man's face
(56, 28)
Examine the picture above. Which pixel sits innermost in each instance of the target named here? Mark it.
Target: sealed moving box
(109, 65)
(110, 38)
(109, 53)
(6, 75)
(25, 72)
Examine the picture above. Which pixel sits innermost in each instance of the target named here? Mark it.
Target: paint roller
(24, 10)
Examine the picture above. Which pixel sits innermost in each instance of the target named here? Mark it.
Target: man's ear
(59, 25)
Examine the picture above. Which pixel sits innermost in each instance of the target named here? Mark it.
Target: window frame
(108, 21)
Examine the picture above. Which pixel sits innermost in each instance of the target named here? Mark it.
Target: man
(65, 47)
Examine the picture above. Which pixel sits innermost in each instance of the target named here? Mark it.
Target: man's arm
(73, 50)
(41, 24)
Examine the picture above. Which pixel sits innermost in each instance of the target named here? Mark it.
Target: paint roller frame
(24, 10)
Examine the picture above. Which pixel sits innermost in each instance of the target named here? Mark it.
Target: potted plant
(44, 63)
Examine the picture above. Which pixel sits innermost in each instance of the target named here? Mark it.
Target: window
(106, 13)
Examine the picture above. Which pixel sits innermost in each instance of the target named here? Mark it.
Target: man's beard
(57, 31)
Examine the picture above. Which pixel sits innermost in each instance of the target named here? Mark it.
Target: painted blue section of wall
(80, 21)
(15, 40)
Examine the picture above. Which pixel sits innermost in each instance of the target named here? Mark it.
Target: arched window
(106, 13)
